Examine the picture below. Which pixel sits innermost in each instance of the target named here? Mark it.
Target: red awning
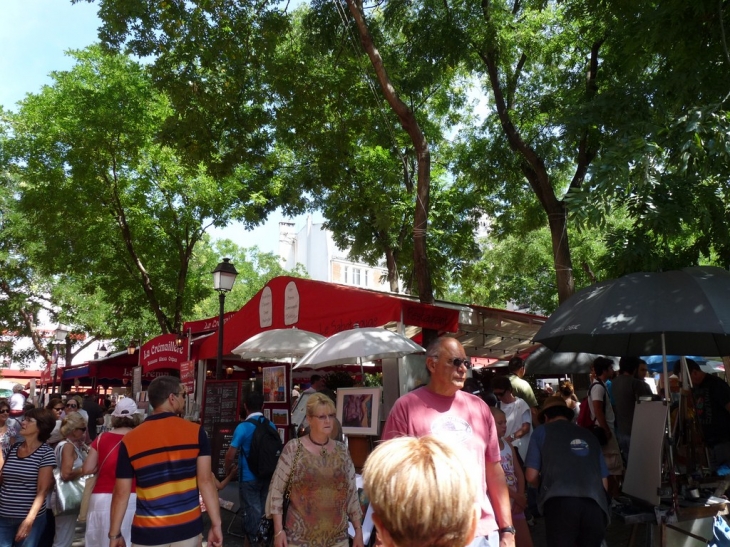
(324, 308)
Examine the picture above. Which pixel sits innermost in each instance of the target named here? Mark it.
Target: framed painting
(275, 384)
(358, 409)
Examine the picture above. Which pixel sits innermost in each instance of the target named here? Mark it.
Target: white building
(313, 248)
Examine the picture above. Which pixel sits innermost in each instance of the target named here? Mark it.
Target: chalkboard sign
(221, 404)
(220, 441)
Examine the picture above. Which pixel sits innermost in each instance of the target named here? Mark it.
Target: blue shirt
(242, 438)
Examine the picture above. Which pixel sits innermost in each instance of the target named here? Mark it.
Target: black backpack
(266, 447)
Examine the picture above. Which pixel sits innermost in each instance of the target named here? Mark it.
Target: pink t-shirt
(463, 421)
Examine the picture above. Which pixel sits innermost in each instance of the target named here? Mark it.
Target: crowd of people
(456, 466)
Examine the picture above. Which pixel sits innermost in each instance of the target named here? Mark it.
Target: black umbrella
(629, 315)
(545, 361)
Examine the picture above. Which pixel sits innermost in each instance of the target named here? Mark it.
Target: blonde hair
(71, 422)
(422, 492)
(317, 399)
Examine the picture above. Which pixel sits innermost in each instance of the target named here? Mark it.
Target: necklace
(323, 452)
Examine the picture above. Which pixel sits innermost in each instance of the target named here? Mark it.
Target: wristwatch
(508, 530)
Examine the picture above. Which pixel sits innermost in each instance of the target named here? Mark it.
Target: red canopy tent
(324, 308)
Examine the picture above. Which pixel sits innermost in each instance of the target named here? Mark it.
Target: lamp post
(63, 334)
(224, 276)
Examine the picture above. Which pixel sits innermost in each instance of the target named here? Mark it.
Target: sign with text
(187, 375)
(162, 352)
(136, 381)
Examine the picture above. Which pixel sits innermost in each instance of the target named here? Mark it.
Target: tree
(255, 270)
(115, 210)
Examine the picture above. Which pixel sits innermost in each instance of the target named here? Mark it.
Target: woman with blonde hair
(567, 392)
(319, 476)
(422, 494)
(70, 455)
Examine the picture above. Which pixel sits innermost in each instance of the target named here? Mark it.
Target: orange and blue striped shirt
(162, 455)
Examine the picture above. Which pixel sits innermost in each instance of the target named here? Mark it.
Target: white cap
(125, 407)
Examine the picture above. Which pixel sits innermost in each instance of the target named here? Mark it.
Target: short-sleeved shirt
(162, 454)
(20, 480)
(464, 422)
(597, 392)
(517, 414)
(711, 397)
(523, 390)
(242, 437)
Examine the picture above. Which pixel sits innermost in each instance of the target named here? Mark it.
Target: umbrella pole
(362, 372)
(665, 371)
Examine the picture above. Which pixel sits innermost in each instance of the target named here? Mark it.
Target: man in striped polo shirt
(170, 460)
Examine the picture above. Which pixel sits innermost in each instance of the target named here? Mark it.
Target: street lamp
(63, 334)
(224, 276)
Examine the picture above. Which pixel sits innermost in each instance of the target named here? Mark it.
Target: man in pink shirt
(464, 421)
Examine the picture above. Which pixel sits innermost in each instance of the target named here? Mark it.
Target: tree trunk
(410, 125)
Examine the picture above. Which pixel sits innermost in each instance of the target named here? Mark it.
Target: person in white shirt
(517, 412)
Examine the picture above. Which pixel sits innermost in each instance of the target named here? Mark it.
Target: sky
(34, 36)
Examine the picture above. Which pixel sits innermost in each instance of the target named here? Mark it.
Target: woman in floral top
(323, 494)
(9, 428)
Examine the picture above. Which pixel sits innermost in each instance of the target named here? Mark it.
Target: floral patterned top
(10, 435)
(323, 496)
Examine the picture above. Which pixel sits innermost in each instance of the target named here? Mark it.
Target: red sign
(187, 375)
(162, 352)
(206, 325)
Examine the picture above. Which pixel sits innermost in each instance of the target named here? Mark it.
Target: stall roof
(328, 308)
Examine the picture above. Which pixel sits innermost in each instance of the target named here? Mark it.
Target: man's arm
(532, 476)
(120, 500)
(210, 497)
(230, 457)
(601, 417)
(499, 496)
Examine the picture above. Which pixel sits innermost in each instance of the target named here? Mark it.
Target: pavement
(617, 535)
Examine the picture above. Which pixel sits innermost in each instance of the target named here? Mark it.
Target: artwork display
(358, 410)
(275, 390)
(280, 416)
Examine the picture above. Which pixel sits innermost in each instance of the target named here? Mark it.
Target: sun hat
(125, 407)
(560, 406)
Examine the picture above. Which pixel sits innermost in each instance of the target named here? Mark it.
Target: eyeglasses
(5, 411)
(498, 393)
(58, 408)
(324, 417)
(80, 429)
(72, 406)
(29, 420)
(458, 361)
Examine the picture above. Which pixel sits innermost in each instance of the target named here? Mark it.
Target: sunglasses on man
(458, 361)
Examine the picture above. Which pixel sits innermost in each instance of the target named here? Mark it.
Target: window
(356, 276)
(367, 278)
(347, 274)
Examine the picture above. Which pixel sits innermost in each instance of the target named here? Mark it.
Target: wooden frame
(358, 409)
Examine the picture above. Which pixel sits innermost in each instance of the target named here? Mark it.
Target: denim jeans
(253, 498)
(9, 527)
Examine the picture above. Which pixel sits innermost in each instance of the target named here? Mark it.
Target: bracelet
(279, 532)
(116, 536)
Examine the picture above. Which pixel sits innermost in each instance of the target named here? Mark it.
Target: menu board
(220, 441)
(221, 403)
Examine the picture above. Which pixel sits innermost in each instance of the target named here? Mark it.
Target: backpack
(266, 447)
(584, 414)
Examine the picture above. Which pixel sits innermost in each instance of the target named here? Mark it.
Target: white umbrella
(358, 345)
(278, 343)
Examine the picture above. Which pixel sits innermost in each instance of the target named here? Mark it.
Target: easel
(661, 440)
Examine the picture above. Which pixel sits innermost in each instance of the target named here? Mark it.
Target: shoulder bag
(265, 532)
(68, 494)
